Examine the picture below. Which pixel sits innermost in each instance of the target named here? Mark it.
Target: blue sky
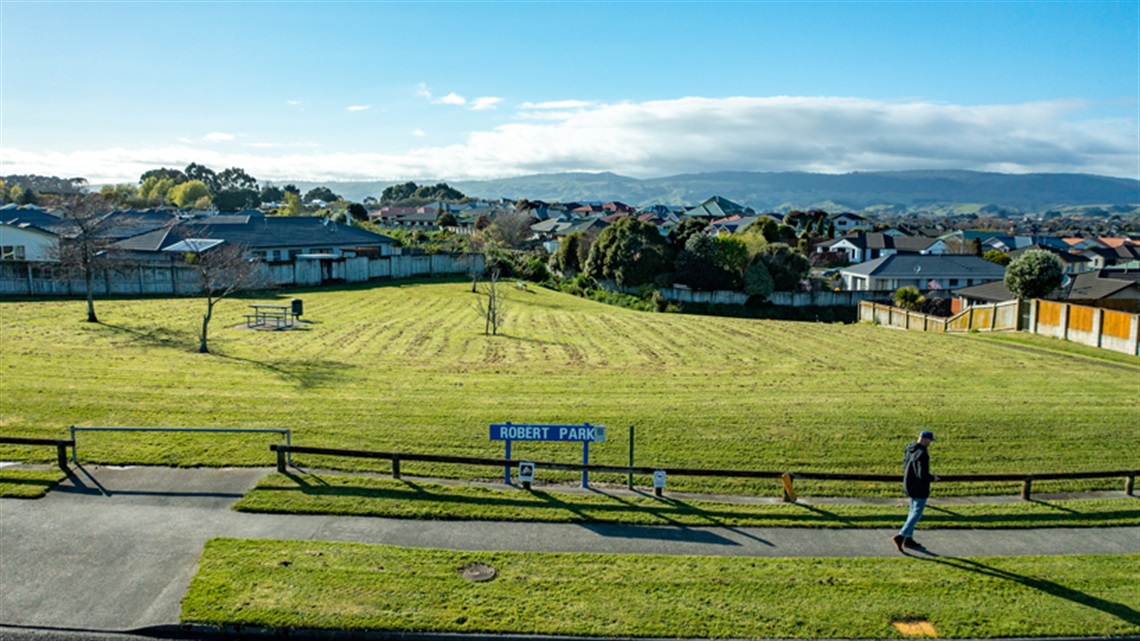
(451, 90)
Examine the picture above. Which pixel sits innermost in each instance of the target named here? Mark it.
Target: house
(924, 271)
(863, 246)
(717, 207)
(34, 234)
(847, 221)
(731, 224)
(1108, 289)
(273, 239)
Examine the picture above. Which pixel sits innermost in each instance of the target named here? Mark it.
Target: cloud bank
(686, 135)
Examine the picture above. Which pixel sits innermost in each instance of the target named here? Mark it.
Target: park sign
(583, 433)
(531, 432)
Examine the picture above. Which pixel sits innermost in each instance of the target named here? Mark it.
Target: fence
(817, 298)
(171, 279)
(1092, 326)
(60, 446)
(787, 478)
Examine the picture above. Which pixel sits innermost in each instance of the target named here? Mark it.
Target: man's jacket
(916, 471)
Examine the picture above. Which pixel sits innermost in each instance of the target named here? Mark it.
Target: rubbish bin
(298, 307)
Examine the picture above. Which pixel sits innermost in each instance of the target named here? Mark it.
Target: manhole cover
(478, 573)
(915, 628)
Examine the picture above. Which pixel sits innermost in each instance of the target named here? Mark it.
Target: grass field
(28, 484)
(307, 584)
(362, 496)
(405, 367)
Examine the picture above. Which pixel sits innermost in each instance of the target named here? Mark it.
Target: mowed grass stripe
(407, 367)
(345, 586)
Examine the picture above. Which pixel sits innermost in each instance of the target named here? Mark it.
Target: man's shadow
(1119, 610)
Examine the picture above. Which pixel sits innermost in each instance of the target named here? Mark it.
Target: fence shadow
(1118, 610)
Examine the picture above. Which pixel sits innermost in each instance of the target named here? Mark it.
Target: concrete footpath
(115, 549)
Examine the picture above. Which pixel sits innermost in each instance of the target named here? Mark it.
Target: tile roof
(904, 266)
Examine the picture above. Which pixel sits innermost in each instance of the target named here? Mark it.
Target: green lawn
(405, 367)
(28, 484)
(307, 585)
(362, 496)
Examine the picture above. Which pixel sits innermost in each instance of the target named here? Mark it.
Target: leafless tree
(492, 304)
(222, 270)
(85, 240)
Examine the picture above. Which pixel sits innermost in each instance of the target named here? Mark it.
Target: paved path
(115, 549)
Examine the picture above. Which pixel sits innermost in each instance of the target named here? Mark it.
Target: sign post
(583, 433)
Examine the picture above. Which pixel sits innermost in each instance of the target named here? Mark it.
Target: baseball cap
(926, 434)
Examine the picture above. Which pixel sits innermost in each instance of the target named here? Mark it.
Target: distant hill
(766, 191)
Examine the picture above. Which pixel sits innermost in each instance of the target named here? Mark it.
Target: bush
(1034, 274)
(908, 298)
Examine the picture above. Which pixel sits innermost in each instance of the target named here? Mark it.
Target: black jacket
(916, 471)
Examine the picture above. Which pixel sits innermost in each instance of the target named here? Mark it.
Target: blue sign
(529, 432)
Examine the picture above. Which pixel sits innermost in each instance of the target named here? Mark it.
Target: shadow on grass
(156, 336)
(306, 374)
(1118, 610)
(433, 501)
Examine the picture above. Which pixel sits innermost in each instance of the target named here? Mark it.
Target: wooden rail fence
(786, 477)
(60, 446)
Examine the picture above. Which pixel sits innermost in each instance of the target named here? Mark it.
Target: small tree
(908, 297)
(492, 304)
(446, 219)
(1034, 274)
(997, 256)
(221, 270)
(757, 280)
(84, 247)
(697, 266)
(786, 266)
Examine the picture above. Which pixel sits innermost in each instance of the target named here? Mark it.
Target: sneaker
(898, 541)
(911, 543)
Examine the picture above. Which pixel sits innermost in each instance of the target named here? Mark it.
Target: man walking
(916, 483)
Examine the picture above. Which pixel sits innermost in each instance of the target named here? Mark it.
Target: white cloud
(659, 138)
(293, 103)
(418, 133)
(218, 136)
(487, 102)
(423, 91)
(359, 107)
(452, 99)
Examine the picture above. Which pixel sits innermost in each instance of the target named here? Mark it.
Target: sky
(388, 91)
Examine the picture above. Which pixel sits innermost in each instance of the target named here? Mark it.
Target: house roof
(991, 292)
(877, 240)
(716, 207)
(909, 266)
(1101, 284)
(1064, 256)
(258, 232)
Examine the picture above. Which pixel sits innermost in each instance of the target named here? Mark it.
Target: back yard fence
(786, 478)
(1093, 326)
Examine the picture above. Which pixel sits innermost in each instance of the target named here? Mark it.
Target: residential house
(273, 239)
(1072, 263)
(717, 207)
(847, 221)
(863, 246)
(923, 271)
(34, 234)
(731, 224)
(1108, 289)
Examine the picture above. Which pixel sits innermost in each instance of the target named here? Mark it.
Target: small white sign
(659, 478)
(599, 433)
(526, 472)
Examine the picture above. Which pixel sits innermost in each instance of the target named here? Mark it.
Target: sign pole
(630, 483)
(585, 461)
(507, 468)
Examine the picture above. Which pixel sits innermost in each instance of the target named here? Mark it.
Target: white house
(925, 272)
(27, 242)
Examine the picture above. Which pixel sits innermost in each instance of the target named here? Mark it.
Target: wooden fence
(59, 444)
(787, 478)
(1092, 326)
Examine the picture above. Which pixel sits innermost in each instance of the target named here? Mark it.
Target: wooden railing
(60, 446)
(788, 478)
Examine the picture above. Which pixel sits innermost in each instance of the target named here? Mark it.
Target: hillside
(902, 190)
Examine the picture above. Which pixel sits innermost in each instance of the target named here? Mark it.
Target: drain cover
(915, 628)
(478, 573)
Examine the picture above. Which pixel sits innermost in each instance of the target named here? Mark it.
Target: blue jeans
(916, 508)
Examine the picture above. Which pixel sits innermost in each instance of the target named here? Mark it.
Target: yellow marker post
(789, 489)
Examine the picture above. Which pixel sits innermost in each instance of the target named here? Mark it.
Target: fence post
(395, 466)
(789, 488)
(1026, 488)
(1129, 482)
(61, 455)
(630, 479)
(280, 461)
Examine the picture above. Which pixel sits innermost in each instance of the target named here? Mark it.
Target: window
(12, 252)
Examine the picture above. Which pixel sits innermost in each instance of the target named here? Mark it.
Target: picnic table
(263, 314)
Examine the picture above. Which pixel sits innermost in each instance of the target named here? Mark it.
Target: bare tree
(85, 240)
(222, 269)
(492, 304)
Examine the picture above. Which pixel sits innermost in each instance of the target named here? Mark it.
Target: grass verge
(28, 484)
(348, 586)
(366, 496)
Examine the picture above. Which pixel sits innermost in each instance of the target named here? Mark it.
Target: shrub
(908, 298)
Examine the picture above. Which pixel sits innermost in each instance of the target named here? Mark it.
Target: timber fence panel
(1116, 324)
